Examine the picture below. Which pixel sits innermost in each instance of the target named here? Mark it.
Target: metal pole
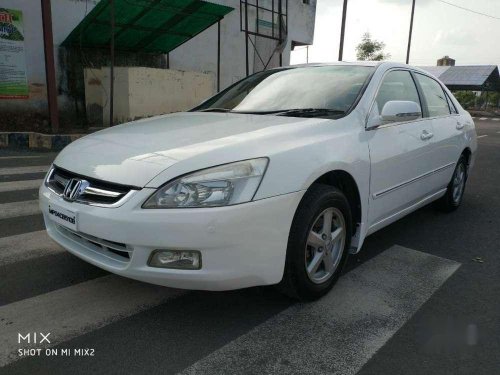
(246, 38)
(112, 63)
(50, 71)
(342, 31)
(218, 56)
(280, 17)
(411, 30)
(307, 54)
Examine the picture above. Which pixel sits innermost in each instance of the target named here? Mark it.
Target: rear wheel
(455, 191)
(318, 243)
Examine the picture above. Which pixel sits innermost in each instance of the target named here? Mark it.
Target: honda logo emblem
(74, 189)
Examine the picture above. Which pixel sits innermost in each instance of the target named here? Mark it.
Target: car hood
(136, 152)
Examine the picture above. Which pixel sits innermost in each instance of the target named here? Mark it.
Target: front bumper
(241, 246)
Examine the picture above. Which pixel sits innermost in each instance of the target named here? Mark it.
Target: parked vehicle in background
(272, 181)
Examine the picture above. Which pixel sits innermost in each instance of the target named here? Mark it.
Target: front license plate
(63, 217)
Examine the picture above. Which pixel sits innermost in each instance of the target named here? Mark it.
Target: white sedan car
(272, 181)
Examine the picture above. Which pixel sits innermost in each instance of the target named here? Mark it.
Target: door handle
(426, 135)
(460, 126)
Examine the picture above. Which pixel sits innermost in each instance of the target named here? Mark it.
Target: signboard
(13, 82)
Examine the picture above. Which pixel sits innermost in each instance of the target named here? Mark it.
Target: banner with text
(13, 82)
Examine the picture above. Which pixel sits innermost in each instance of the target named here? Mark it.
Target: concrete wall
(143, 92)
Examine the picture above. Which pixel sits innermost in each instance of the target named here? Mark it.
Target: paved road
(413, 302)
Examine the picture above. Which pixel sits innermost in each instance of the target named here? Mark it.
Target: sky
(438, 30)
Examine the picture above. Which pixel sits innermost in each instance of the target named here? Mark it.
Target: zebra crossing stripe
(26, 246)
(339, 333)
(16, 209)
(73, 311)
(20, 185)
(21, 157)
(24, 170)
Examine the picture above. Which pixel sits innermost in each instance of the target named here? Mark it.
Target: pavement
(422, 297)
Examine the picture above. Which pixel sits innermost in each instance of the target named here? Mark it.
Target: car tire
(315, 260)
(455, 190)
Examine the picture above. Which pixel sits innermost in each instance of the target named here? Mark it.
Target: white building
(198, 55)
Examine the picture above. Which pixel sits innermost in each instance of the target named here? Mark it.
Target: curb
(36, 141)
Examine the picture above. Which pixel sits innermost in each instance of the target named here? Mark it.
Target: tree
(371, 50)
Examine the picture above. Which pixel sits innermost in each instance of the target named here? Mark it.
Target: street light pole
(112, 64)
(342, 30)
(411, 30)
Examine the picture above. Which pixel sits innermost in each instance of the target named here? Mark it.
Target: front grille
(115, 250)
(98, 192)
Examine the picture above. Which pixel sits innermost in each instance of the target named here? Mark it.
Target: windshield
(312, 90)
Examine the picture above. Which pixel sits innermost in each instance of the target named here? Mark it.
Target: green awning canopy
(155, 26)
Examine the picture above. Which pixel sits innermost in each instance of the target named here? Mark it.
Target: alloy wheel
(325, 244)
(458, 183)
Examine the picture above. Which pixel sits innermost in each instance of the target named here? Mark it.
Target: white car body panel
(244, 245)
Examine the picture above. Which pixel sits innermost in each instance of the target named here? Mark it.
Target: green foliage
(371, 50)
(493, 99)
(465, 98)
(469, 99)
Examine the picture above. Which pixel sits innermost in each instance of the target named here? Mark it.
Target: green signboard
(13, 82)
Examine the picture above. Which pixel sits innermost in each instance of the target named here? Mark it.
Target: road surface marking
(341, 332)
(24, 170)
(498, 132)
(483, 118)
(16, 209)
(496, 119)
(21, 157)
(482, 136)
(20, 185)
(73, 311)
(26, 246)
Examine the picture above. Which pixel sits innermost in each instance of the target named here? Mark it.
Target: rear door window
(435, 97)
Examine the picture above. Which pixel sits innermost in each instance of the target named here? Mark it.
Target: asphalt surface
(422, 297)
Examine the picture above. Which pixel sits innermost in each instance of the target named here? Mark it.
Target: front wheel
(455, 190)
(318, 243)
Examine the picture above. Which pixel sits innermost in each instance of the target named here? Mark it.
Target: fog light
(178, 259)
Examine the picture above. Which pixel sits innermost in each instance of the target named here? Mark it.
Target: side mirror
(400, 110)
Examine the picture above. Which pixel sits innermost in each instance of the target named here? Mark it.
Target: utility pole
(112, 64)
(50, 72)
(342, 30)
(411, 30)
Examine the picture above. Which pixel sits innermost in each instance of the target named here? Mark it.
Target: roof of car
(386, 64)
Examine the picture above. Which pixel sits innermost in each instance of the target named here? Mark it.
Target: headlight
(218, 186)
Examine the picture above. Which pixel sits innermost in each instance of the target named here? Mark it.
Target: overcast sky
(438, 30)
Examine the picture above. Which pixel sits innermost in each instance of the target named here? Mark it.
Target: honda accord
(274, 180)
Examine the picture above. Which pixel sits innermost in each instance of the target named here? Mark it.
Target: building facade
(199, 54)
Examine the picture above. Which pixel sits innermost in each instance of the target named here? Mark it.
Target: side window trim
(453, 107)
(421, 96)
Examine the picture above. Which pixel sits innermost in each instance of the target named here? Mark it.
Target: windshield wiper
(215, 110)
(310, 112)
